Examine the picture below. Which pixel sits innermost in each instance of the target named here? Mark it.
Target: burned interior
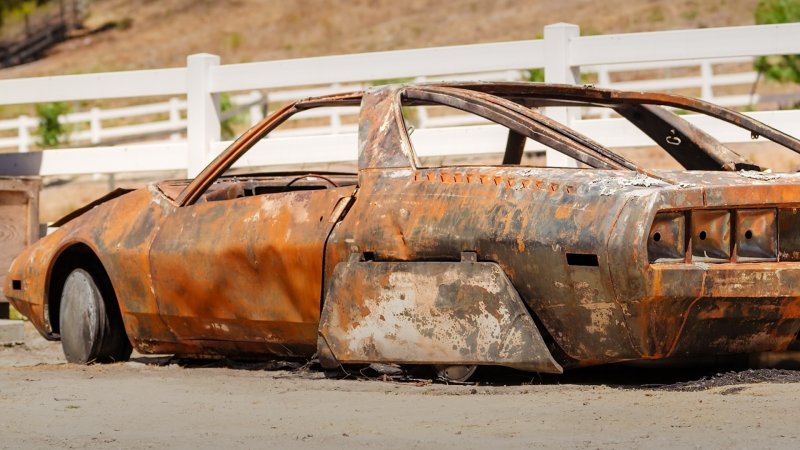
(535, 268)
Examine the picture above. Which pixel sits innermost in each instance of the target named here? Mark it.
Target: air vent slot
(582, 259)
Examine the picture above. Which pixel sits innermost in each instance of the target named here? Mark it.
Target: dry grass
(163, 32)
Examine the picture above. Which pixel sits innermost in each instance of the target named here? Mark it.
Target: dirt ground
(152, 402)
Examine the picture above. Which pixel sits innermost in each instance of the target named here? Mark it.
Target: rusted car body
(538, 269)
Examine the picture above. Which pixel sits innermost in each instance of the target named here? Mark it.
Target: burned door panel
(255, 273)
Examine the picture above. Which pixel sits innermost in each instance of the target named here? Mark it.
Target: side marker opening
(582, 259)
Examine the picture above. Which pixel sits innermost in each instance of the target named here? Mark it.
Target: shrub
(783, 68)
(51, 132)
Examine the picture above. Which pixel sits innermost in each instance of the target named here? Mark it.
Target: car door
(245, 275)
(241, 272)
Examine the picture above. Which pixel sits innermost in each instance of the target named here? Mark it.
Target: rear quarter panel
(525, 220)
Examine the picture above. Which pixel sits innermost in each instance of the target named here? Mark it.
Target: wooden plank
(19, 223)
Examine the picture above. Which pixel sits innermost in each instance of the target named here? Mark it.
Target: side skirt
(459, 313)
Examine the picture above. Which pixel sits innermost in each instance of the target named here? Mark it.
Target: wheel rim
(82, 318)
(456, 373)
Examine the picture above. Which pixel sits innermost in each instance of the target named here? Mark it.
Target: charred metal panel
(789, 231)
(667, 305)
(123, 233)
(689, 145)
(524, 219)
(739, 325)
(429, 312)
(380, 142)
(667, 239)
(710, 235)
(256, 269)
(119, 233)
(756, 235)
(78, 212)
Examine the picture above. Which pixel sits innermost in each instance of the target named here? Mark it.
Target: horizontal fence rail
(561, 55)
(331, 148)
(94, 132)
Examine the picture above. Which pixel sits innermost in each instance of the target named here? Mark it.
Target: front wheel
(90, 326)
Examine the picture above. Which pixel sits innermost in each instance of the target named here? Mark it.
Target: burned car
(534, 268)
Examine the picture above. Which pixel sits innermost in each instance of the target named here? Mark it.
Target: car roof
(534, 94)
(514, 103)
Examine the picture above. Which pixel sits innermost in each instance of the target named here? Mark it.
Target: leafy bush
(783, 68)
(18, 7)
(51, 132)
(226, 125)
(536, 75)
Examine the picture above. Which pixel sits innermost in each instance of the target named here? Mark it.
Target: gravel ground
(155, 402)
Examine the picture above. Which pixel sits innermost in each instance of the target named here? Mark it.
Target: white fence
(92, 130)
(562, 53)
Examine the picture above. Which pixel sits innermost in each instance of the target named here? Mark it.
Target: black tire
(89, 321)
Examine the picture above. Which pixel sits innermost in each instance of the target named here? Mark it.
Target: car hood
(118, 192)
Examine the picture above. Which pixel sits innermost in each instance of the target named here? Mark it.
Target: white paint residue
(158, 197)
(255, 218)
(761, 176)
(397, 173)
(601, 314)
(640, 180)
(405, 318)
(612, 185)
(386, 123)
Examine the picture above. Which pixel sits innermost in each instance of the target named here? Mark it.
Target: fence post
(706, 76)
(336, 118)
(174, 118)
(202, 111)
(94, 125)
(23, 134)
(256, 110)
(557, 70)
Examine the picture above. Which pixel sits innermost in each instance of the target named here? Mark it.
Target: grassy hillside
(160, 33)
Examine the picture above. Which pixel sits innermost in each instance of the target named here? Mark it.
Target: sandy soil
(151, 403)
